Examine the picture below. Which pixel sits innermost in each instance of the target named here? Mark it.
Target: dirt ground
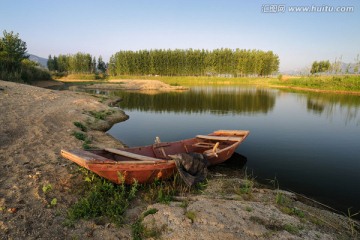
(36, 123)
(119, 84)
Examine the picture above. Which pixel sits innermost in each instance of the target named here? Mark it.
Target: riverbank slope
(36, 123)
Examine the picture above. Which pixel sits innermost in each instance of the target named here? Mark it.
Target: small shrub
(137, 230)
(53, 202)
(298, 212)
(292, 229)
(184, 204)
(86, 144)
(191, 215)
(47, 188)
(163, 191)
(79, 135)
(81, 126)
(104, 199)
(249, 209)
(101, 114)
(150, 211)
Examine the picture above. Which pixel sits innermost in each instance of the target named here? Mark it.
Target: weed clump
(104, 199)
(81, 126)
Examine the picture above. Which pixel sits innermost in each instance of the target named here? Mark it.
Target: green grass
(200, 80)
(82, 136)
(331, 83)
(86, 144)
(163, 191)
(101, 114)
(103, 199)
(78, 76)
(79, 135)
(47, 188)
(191, 215)
(295, 230)
(81, 126)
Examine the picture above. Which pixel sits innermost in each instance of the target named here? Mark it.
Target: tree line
(336, 67)
(14, 60)
(76, 63)
(194, 62)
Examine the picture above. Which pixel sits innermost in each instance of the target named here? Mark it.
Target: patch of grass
(101, 114)
(201, 80)
(163, 191)
(295, 230)
(53, 202)
(150, 211)
(200, 187)
(191, 215)
(86, 145)
(139, 231)
(298, 212)
(83, 137)
(104, 199)
(184, 204)
(249, 209)
(79, 135)
(81, 126)
(352, 223)
(276, 226)
(334, 83)
(280, 199)
(47, 188)
(89, 76)
(292, 211)
(245, 188)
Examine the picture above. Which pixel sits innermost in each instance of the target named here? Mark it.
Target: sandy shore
(117, 84)
(36, 123)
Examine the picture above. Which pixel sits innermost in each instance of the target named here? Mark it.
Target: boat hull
(120, 171)
(147, 163)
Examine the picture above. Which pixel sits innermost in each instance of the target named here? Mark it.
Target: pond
(309, 142)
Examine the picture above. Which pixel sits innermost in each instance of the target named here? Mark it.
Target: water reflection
(233, 167)
(331, 105)
(222, 100)
(299, 138)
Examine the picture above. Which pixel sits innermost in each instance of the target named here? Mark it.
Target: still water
(309, 141)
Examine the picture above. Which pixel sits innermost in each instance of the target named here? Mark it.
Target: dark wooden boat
(147, 163)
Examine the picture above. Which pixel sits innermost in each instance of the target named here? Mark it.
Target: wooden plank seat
(204, 144)
(220, 138)
(134, 155)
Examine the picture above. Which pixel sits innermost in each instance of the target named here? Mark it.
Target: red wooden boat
(145, 164)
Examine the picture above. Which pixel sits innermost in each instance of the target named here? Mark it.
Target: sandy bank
(35, 124)
(116, 84)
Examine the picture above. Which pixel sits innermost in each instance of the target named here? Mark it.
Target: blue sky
(107, 26)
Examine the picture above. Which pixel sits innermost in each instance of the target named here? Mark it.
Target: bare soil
(36, 124)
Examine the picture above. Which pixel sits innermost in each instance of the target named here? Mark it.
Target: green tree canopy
(14, 62)
(12, 51)
(194, 62)
(319, 67)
